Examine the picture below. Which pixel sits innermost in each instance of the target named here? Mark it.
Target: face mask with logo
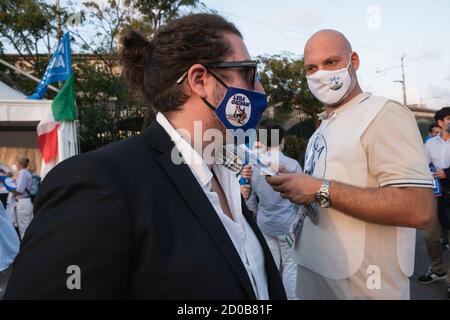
(239, 108)
(329, 87)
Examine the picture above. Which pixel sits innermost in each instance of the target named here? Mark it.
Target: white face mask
(329, 87)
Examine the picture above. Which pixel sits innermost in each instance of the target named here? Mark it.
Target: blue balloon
(9, 183)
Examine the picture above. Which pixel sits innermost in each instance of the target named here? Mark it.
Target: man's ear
(196, 78)
(355, 61)
(440, 123)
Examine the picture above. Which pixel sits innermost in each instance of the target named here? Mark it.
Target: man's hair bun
(134, 50)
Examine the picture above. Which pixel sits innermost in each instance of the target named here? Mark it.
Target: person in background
(259, 147)
(3, 191)
(9, 247)
(247, 173)
(433, 131)
(274, 214)
(10, 202)
(437, 150)
(24, 206)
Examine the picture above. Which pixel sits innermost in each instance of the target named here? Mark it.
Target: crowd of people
(437, 149)
(342, 227)
(16, 212)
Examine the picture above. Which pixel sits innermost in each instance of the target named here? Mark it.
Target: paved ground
(434, 291)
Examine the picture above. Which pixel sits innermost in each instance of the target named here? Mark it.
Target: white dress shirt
(273, 213)
(23, 184)
(244, 239)
(438, 152)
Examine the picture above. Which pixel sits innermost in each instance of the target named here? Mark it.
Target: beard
(219, 94)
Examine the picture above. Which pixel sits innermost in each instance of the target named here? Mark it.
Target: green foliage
(295, 147)
(28, 26)
(423, 124)
(303, 129)
(156, 12)
(283, 77)
(108, 110)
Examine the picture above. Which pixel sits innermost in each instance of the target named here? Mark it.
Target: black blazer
(138, 227)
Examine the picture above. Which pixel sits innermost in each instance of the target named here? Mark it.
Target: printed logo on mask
(336, 83)
(238, 110)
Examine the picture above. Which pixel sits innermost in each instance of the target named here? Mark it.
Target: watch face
(322, 199)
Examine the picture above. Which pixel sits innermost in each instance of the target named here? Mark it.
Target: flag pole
(26, 74)
(76, 125)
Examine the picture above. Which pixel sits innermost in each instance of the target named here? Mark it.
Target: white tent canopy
(6, 92)
(18, 121)
(24, 109)
(14, 106)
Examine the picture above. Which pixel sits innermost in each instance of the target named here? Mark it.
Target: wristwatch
(323, 195)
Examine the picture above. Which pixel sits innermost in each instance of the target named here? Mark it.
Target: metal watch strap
(323, 195)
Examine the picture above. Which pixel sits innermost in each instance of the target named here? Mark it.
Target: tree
(158, 12)
(28, 26)
(283, 77)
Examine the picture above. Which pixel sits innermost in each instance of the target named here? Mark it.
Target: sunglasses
(248, 67)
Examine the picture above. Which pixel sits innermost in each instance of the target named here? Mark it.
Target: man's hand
(298, 188)
(440, 174)
(245, 191)
(247, 172)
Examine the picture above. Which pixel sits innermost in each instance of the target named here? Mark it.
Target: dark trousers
(444, 211)
(4, 277)
(433, 235)
(3, 198)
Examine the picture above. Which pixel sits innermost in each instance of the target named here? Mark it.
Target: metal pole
(26, 74)
(58, 19)
(403, 82)
(74, 124)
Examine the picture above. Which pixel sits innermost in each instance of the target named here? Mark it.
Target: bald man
(367, 179)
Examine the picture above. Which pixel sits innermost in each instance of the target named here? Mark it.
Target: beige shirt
(393, 151)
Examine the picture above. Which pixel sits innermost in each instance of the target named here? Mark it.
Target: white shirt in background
(438, 152)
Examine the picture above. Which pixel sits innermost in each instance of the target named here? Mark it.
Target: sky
(379, 31)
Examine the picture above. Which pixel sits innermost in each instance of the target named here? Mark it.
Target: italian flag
(63, 109)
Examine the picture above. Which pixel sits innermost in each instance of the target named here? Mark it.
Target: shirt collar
(191, 157)
(273, 150)
(356, 100)
(438, 137)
